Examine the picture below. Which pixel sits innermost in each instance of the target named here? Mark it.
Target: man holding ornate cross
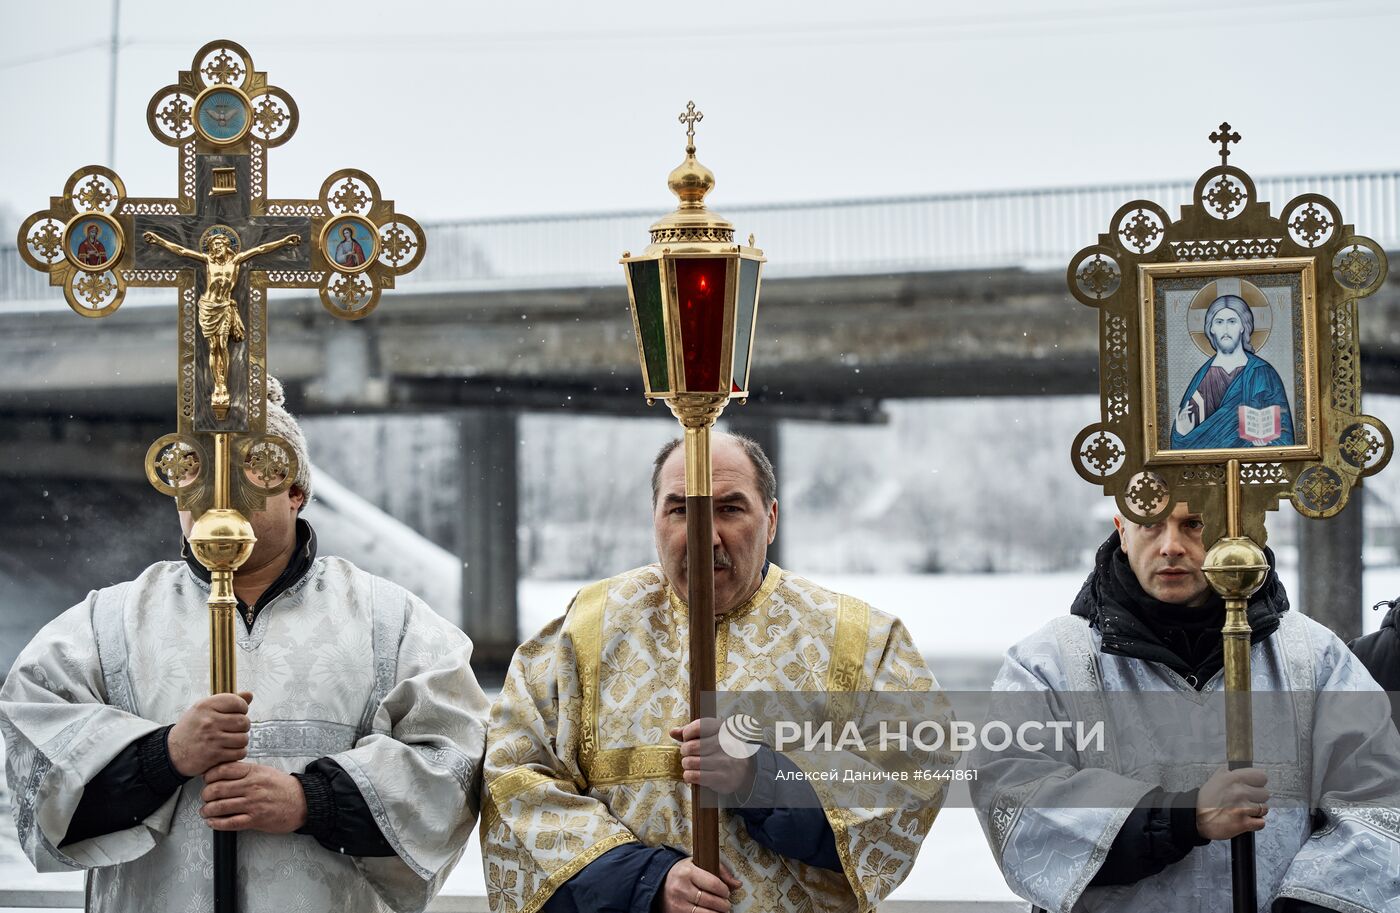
(336, 764)
(352, 751)
(1247, 760)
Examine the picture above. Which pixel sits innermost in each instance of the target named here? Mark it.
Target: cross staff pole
(221, 243)
(222, 539)
(1236, 568)
(694, 299)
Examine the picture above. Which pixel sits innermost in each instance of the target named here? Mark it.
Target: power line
(949, 28)
(1082, 20)
(53, 54)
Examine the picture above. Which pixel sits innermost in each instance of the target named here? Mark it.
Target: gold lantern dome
(694, 292)
(691, 181)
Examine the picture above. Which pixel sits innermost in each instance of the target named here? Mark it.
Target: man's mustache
(722, 560)
(1226, 342)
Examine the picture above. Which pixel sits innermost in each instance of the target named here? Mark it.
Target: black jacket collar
(1187, 640)
(297, 567)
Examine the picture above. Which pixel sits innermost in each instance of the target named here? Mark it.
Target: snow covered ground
(952, 618)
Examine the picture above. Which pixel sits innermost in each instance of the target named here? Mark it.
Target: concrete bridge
(863, 301)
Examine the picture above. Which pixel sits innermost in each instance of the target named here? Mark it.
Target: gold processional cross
(221, 243)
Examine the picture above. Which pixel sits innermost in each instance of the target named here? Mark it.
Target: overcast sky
(477, 109)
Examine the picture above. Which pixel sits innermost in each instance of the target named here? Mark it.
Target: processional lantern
(694, 299)
(694, 294)
(1230, 380)
(221, 243)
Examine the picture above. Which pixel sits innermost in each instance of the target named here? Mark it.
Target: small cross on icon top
(1224, 137)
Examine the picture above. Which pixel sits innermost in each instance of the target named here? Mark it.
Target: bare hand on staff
(1231, 803)
(252, 797)
(691, 889)
(705, 762)
(212, 732)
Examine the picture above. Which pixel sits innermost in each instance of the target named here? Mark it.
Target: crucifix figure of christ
(220, 254)
(223, 236)
(219, 322)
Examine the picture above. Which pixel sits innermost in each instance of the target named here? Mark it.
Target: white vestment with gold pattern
(580, 760)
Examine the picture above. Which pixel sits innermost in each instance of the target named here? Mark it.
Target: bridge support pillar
(768, 433)
(1330, 568)
(485, 534)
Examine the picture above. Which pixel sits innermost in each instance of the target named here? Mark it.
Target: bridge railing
(1036, 229)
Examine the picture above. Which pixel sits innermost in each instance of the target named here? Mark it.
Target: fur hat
(281, 423)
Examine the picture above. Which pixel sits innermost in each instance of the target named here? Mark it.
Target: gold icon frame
(332, 225)
(112, 258)
(1305, 357)
(247, 115)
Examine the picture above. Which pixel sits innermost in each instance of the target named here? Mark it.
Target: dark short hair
(763, 467)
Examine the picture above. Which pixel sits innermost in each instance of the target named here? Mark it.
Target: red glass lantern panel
(700, 287)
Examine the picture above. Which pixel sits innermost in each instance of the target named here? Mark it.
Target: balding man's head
(764, 476)
(745, 517)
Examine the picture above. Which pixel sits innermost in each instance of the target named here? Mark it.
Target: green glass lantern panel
(743, 323)
(651, 326)
(700, 285)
